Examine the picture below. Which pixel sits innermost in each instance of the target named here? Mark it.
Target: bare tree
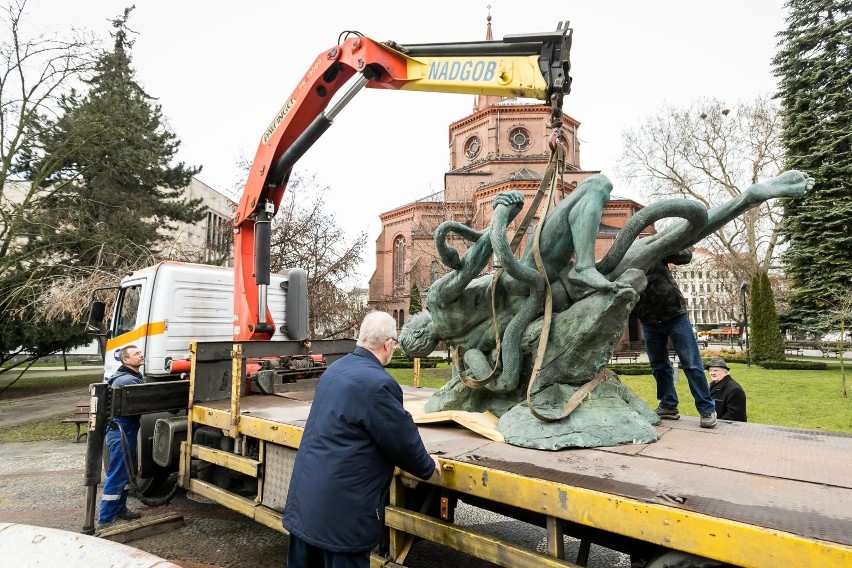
(711, 153)
(838, 318)
(305, 235)
(35, 73)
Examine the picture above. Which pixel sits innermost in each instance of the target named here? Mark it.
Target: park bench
(831, 348)
(631, 356)
(80, 417)
(793, 349)
(797, 347)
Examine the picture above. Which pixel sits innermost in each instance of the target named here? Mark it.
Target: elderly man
(729, 396)
(356, 432)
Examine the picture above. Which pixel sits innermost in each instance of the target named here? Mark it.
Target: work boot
(667, 413)
(128, 515)
(106, 525)
(708, 420)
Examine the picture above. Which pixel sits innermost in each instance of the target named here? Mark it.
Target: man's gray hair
(376, 328)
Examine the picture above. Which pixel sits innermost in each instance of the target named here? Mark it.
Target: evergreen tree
(766, 341)
(814, 65)
(102, 187)
(414, 304)
(112, 184)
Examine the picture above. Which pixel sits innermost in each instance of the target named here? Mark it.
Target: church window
(399, 261)
(519, 139)
(433, 272)
(472, 147)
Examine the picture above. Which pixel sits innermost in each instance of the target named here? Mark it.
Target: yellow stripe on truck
(155, 328)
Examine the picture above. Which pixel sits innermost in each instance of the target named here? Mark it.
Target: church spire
(485, 101)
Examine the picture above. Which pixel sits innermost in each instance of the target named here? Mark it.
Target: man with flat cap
(729, 396)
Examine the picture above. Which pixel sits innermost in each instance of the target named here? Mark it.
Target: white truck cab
(163, 308)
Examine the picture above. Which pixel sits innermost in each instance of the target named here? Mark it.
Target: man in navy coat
(356, 432)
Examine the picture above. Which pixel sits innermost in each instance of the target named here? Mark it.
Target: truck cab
(163, 308)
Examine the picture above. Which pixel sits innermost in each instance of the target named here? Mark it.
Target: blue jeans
(657, 344)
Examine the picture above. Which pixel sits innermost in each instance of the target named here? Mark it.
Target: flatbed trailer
(748, 495)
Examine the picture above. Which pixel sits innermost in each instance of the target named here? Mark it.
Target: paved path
(41, 483)
(17, 411)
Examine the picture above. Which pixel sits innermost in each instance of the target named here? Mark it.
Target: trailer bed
(783, 492)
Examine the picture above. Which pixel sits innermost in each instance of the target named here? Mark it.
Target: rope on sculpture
(587, 388)
(557, 158)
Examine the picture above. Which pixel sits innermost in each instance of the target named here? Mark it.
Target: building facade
(209, 241)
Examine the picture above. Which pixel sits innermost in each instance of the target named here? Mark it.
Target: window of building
(217, 245)
(472, 147)
(519, 139)
(433, 272)
(399, 261)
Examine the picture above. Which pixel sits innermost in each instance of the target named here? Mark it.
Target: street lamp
(744, 291)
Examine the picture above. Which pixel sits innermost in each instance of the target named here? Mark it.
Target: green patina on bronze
(591, 302)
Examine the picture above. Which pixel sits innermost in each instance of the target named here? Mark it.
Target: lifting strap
(557, 163)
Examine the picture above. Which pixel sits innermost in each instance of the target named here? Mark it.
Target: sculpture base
(611, 415)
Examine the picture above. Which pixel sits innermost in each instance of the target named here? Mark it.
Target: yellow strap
(556, 160)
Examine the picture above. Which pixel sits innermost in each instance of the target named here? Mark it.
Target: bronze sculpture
(496, 320)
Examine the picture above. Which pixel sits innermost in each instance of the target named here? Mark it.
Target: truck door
(126, 327)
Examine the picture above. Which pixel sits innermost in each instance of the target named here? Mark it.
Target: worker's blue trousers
(117, 484)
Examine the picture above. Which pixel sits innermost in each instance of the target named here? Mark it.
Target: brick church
(500, 146)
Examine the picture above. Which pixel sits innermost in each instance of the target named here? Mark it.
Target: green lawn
(35, 386)
(796, 399)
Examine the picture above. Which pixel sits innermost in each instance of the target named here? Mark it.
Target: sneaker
(708, 420)
(128, 515)
(667, 413)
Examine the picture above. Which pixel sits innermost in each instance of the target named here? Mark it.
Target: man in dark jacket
(662, 311)
(729, 396)
(356, 432)
(117, 482)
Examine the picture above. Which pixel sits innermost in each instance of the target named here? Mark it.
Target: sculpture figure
(496, 322)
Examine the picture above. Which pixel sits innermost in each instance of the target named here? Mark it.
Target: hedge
(630, 368)
(406, 363)
(793, 364)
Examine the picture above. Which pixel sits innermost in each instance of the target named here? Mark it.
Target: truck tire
(678, 559)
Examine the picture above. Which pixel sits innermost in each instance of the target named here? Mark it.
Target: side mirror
(96, 317)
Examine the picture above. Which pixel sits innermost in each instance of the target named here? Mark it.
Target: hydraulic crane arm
(528, 65)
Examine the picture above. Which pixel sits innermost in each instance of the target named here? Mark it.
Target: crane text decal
(469, 70)
(278, 118)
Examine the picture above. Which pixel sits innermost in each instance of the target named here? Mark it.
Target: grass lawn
(796, 399)
(31, 386)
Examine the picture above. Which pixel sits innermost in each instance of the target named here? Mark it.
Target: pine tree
(766, 341)
(112, 185)
(414, 304)
(814, 65)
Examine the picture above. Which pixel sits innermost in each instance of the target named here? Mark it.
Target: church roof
(526, 174)
(437, 197)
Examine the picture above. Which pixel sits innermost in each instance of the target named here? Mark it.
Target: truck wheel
(678, 559)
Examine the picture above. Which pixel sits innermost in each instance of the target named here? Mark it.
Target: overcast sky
(221, 70)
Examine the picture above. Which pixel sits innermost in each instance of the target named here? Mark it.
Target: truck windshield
(127, 308)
